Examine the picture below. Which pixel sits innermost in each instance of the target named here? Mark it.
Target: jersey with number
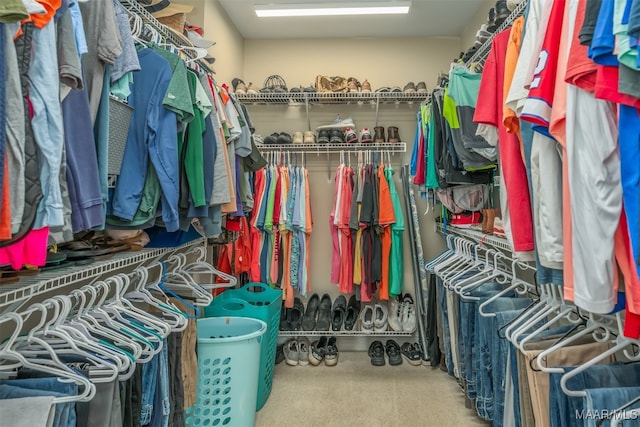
(537, 107)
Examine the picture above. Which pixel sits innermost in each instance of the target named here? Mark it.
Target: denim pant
(65, 413)
(47, 123)
(562, 408)
(444, 317)
(610, 399)
(156, 405)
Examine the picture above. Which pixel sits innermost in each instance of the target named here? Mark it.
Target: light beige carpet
(354, 393)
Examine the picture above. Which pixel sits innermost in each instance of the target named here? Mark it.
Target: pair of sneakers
(402, 313)
(377, 351)
(374, 318)
(351, 137)
(307, 137)
(324, 349)
(297, 351)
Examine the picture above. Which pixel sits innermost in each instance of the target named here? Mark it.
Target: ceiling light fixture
(333, 9)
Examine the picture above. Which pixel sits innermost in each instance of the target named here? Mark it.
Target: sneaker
(410, 354)
(324, 136)
(393, 353)
(323, 323)
(366, 86)
(378, 135)
(421, 87)
(338, 313)
(309, 320)
(238, 86)
(284, 138)
(392, 134)
(365, 136)
(350, 136)
(366, 318)
(309, 137)
(353, 84)
(331, 352)
(298, 138)
(252, 88)
(304, 347)
(502, 10)
(381, 316)
(376, 353)
(408, 318)
(272, 139)
(395, 313)
(291, 352)
(409, 88)
(336, 136)
(353, 311)
(316, 353)
(339, 123)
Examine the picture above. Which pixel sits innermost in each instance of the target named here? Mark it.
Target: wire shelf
(345, 334)
(475, 235)
(301, 98)
(393, 147)
(30, 286)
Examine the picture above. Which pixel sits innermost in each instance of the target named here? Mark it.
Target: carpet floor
(355, 393)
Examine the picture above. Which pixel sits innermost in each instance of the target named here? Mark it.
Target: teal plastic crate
(228, 372)
(257, 301)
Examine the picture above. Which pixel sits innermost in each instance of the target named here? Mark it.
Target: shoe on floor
(366, 318)
(426, 361)
(323, 322)
(309, 320)
(365, 136)
(376, 353)
(291, 352)
(409, 353)
(338, 313)
(304, 349)
(309, 137)
(331, 352)
(350, 136)
(279, 354)
(298, 138)
(381, 316)
(395, 313)
(393, 353)
(353, 311)
(316, 353)
(408, 318)
(324, 136)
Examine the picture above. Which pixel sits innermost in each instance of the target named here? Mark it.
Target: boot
(485, 216)
(378, 135)
(491, 216)
(392, 134)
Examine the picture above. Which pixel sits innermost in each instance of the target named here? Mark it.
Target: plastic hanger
(554, 302)
(518, 285)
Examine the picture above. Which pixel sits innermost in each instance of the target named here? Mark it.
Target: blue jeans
(149, 384)
(610, 399)
(65, 413)
(156, 403)
(47, 124)
(562, 408)
(446, 337)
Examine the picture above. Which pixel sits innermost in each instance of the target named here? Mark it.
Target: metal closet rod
(481, 54)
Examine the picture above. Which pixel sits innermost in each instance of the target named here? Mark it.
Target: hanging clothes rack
(481, 54)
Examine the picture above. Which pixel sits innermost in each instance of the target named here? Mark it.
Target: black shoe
(393, 352)
(296, 314)
(316, 355)
(411, 353)
(324, 314)
(336, 136)
(284, 138)
(376, 353)
(502, 11)
(353, 311)
(309, 321)
(272, 139)
(235, 82)
(324, 136)
(279, 354)
(331, 352)
(338, 313)
(284, 319)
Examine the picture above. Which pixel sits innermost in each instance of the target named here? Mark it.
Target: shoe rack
(345, 333)
(309, 99)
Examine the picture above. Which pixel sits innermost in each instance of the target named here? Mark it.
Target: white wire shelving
(495, 241)
(301, 98)
(345, 334)
(16, 294)
(390, 147)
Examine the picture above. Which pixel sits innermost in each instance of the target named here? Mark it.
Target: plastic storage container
(257, 301)
(228, 367)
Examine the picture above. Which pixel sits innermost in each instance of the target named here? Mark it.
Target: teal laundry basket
(228, 367)
(257, 301)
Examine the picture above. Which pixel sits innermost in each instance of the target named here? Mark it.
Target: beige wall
(229, 47)
(385, 62)
(469, 35)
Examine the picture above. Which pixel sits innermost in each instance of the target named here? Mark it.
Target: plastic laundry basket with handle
(257, 301)
(228, 367)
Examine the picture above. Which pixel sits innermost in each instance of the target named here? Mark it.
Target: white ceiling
(426, 18)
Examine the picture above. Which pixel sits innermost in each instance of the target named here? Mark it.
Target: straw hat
(162, 8)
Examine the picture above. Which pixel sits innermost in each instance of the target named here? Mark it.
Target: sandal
(393, 352)
(82, 249)
(412, 356)
(376, 353)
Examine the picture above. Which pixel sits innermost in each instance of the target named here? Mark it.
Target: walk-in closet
(322, 213)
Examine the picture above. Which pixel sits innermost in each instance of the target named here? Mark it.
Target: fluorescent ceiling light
(333, 9)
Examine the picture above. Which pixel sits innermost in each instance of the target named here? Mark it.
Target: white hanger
(518, 285)
(556, 302)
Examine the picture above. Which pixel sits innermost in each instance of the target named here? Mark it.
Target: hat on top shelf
(162, 8)
(195, 35)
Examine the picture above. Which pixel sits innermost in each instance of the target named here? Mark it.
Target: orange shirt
(51, 6)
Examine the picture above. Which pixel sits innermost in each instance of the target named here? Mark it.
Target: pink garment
(31, 250)
(333, 228)
(346, 272)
